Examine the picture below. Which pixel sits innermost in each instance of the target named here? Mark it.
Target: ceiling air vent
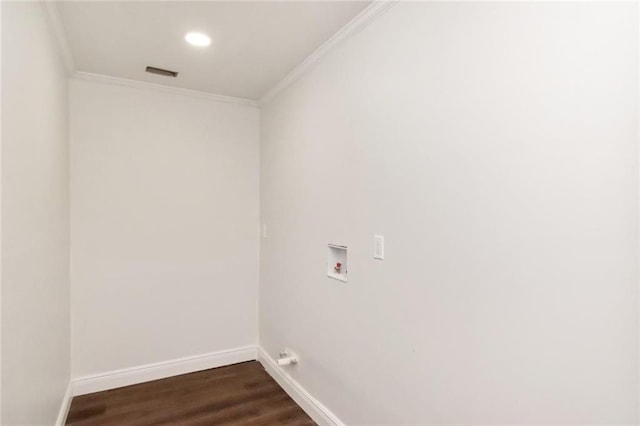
(160, 71)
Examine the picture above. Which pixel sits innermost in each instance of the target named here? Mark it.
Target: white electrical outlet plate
(378, 247)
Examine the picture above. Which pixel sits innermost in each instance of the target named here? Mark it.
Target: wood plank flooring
(240, 394)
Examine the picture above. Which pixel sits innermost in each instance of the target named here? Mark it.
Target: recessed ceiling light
(197, 39)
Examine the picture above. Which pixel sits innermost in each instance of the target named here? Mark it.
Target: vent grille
(160, 71)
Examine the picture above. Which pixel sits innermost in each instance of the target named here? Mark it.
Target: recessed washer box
(337, 262)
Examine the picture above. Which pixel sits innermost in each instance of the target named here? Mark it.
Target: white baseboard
(64, 407)
(314, 408)
(145, 373)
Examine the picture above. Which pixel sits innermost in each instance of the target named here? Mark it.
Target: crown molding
(59, 33)
(116, 81)
(357, 24)
(364, 18)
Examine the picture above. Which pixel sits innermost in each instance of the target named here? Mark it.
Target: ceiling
(254, 44)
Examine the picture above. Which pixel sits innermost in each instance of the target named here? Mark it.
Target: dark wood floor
(240, 394)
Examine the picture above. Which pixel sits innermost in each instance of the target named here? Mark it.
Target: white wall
(35, 219)
(494, 145)
(164, 208)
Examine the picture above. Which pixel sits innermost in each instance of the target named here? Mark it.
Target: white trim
(1, 115)
(64, 407)
(314, 408)
(116, 81)
(160, 370)
(364, 18)
(59, 33)
(638, 180)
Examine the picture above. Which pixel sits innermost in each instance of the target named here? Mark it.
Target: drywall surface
(164, 226)
(494, 145)
(35, 219)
